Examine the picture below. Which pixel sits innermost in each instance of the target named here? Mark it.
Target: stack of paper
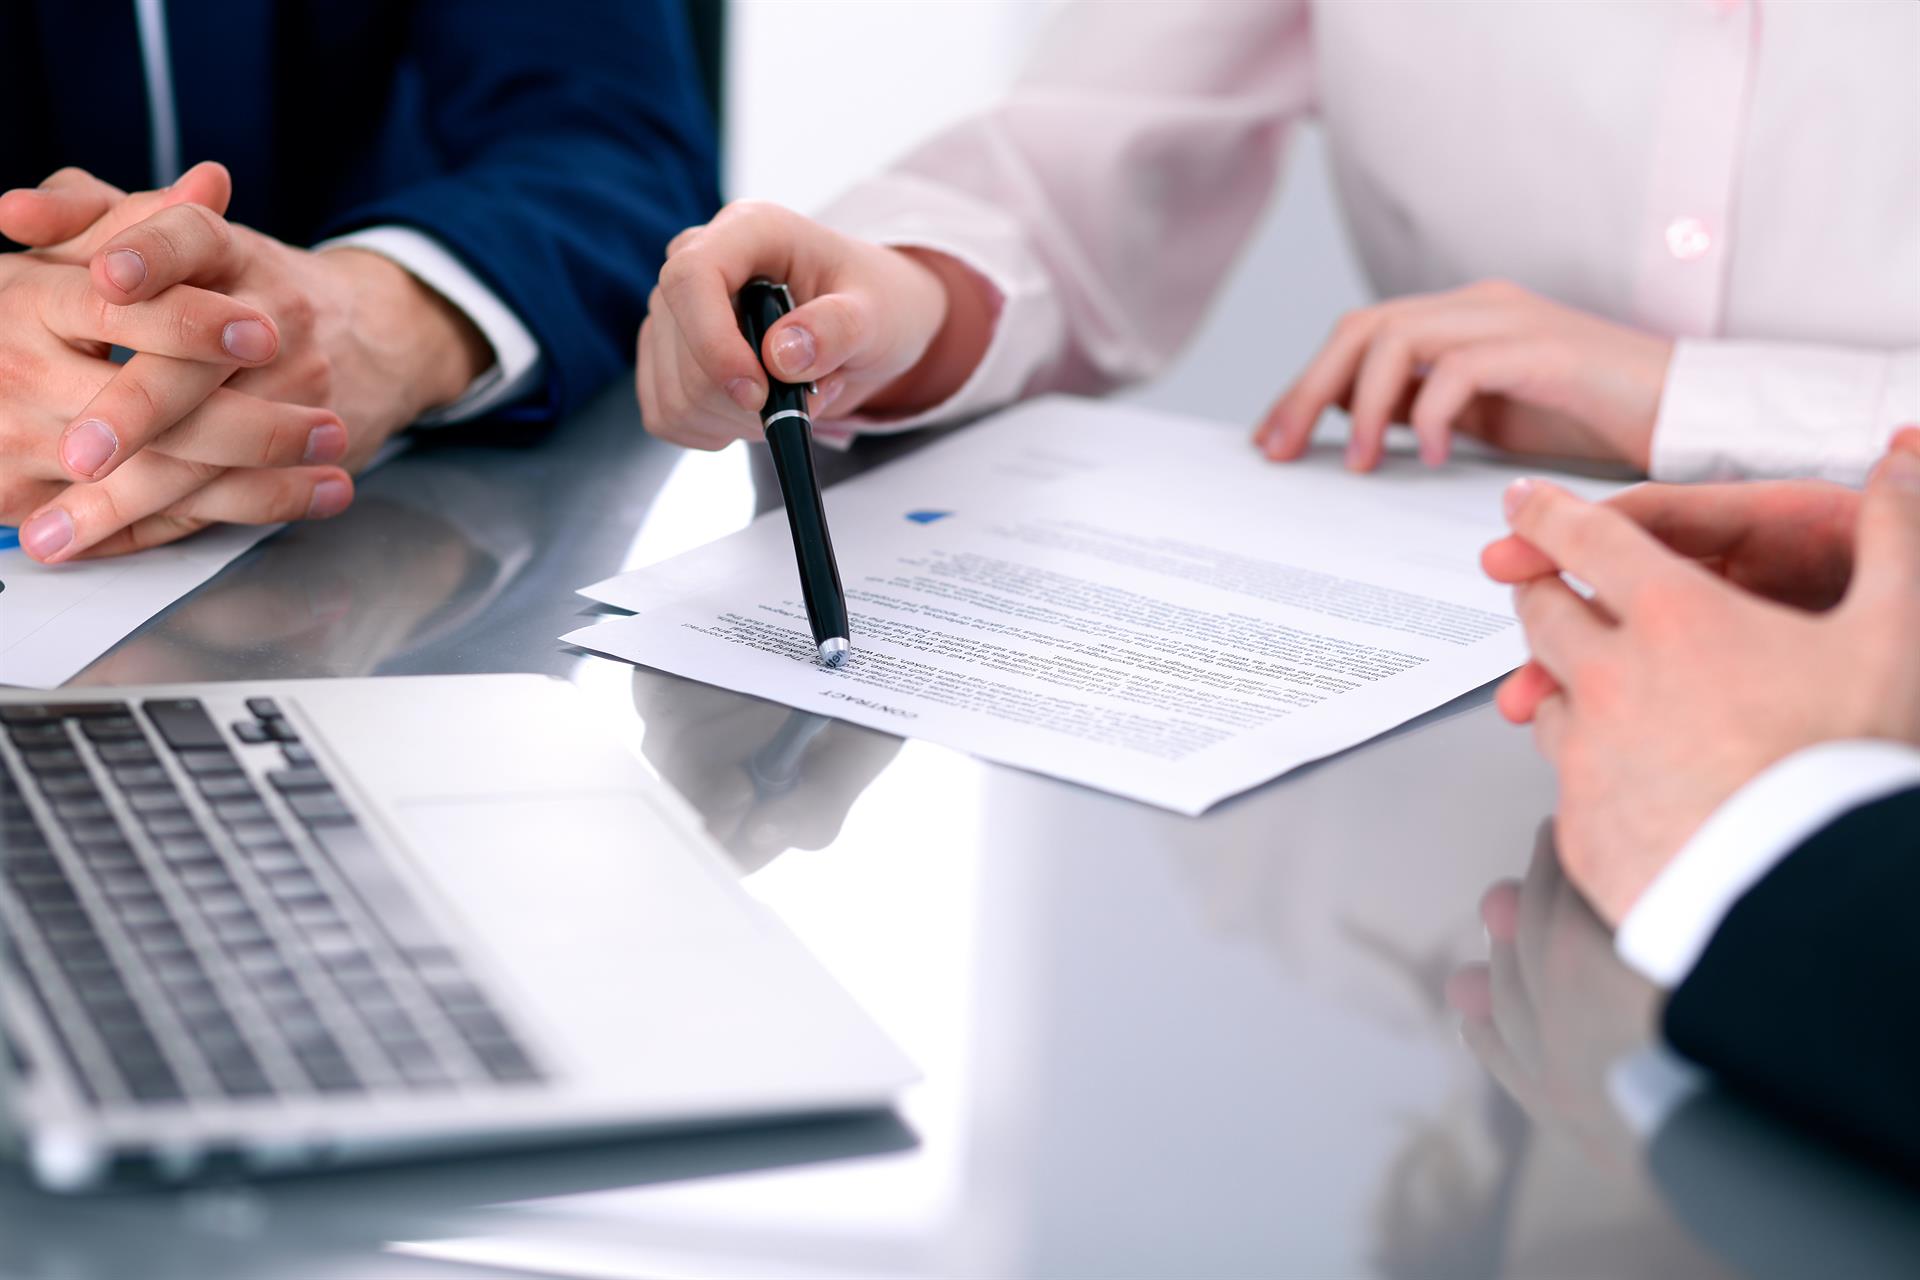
(1122, 599)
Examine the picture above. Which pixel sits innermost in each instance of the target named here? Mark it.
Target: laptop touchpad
(577, 897)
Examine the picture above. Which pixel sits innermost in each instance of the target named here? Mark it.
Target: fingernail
(1902, 470)
(793, 352)
(1353, 454)
(127, 269)
(330, 498)
(88, 447)
(47, 534)
(248, 340)
(829, 392)
(1907, 437)
(326, 443)
(744, 392)
(1516, 496)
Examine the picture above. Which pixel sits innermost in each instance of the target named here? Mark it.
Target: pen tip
(834, 652)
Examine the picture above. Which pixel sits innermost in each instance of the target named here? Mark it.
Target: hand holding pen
(789, 430)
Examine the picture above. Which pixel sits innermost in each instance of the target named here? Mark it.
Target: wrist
(1651, 357)
(425, 345)
(966, 307)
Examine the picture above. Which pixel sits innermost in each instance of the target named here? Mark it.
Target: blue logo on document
(8, 538)
(927, 517)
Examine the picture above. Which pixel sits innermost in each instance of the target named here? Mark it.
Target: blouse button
(1687, 238)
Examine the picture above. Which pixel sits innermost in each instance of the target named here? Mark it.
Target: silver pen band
(788, 413)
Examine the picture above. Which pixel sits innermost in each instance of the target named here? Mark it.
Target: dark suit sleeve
(1808, 997)
(575, 143)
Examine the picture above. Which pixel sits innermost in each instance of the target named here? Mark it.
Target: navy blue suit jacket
(553, 147)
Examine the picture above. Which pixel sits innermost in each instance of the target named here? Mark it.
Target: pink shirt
(1741, 175)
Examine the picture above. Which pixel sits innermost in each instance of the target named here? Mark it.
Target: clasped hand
(1728, 627)
(261, 375)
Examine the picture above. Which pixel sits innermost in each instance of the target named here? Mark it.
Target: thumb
(820, 337)
(1887, 545)
(207, 183)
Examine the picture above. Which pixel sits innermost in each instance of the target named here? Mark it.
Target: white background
(823, 92)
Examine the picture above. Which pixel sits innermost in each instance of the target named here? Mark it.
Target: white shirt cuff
(517, 356)
(1752, 410)
(907, 212)
(1670, 926)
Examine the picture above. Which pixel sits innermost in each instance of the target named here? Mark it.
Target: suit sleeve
(1806, 999)
(575, 143)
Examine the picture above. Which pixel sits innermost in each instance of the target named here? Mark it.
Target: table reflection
(765, 778)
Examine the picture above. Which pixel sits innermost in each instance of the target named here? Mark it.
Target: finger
(1888, 545)
(663, 410)
(1564, 632)
(1512, 560)
(1550, 727)
(1593, 542)
(1384, 374)
(238, 497)
(184, 322)
(1520, 693)
(1514, 1014)
(697, 286)
(207, 184)
(180, 243)
(1290, 423)
(1500, 910)
(820, 337)
(709, 414)
(60, 208)
(233, 429)
(1455, 379)
(1469, 993)
(179, 407)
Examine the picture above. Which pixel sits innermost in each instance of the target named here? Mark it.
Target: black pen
(790, 439)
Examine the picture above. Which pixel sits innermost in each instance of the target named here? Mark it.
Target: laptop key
(112, 729)
(170, 824)
(223, 786)
(235, 809)
(316, 808)
(183, 723)
(204, 763)
(128, 752)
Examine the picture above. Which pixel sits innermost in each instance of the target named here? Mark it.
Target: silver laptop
(251, 927)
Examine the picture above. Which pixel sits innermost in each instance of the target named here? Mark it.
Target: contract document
(54, 620)
(1134, 602)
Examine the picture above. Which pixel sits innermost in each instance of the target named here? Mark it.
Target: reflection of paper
(54, 621)
(1129, 601)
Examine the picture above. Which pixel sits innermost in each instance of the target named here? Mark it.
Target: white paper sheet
(1130, 601)
(55, 620)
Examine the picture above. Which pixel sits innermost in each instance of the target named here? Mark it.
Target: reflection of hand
(337, 604)
(1552, 1010)
(1671, 688)
(889, 330)
(67, 413)
(713, 746)
(1492, 360)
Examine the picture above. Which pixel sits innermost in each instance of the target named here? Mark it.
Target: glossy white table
(1154, 1046)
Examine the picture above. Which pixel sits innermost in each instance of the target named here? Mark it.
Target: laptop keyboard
(192, 933)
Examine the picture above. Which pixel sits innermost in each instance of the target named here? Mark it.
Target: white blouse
(1741, 175)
